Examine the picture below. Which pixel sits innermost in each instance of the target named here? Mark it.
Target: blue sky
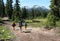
(31, 3)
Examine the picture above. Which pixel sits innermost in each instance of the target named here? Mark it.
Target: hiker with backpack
(13, 25)
(20, 25)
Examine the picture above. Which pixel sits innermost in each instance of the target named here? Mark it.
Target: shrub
(51, 20)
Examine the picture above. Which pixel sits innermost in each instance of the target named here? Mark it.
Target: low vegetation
(37, 22)
(5, 34)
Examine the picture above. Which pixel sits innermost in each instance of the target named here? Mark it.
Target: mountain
(38, 8)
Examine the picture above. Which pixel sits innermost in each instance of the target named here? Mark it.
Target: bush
(58, 23)
(51, 20)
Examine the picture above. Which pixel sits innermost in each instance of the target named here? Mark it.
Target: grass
(5, 33)
(42, 22)
(37, 24)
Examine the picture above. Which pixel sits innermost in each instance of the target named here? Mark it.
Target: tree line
(15, 12)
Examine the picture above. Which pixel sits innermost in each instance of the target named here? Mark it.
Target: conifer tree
(17, 11)
(9, 8)
(54, 13)
(2, 9)
(24, 13)
(55, 8)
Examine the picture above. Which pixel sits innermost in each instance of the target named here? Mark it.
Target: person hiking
(13, 25)
(20, 25)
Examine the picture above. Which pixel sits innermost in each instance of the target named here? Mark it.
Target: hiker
(20, 25)
(25, 25)
(13, 25)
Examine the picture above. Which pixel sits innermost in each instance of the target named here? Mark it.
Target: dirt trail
(36, 34)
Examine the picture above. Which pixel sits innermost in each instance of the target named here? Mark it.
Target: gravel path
(36, 34)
